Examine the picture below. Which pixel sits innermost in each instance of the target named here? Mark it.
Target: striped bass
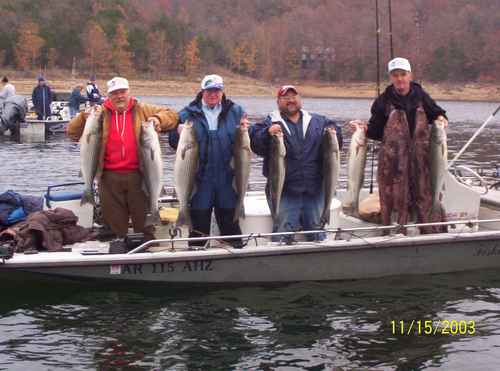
(185, 169)
(152, 170)
(355, 169)
(90, 147)
(242, 156)
(331, 167)
(439, 162)
(276, 177)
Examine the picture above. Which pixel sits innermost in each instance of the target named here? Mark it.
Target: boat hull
(333, 260)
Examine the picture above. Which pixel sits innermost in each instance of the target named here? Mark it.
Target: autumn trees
(28, 46)
(331, 40)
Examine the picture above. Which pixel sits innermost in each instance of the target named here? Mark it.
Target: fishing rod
(390, 29)
(473, 137)
(377, 33)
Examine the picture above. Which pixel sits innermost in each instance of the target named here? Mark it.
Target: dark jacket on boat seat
(50, 230)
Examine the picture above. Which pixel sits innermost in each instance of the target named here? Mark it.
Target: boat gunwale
(74, 259)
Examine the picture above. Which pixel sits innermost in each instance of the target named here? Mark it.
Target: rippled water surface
(52, 325)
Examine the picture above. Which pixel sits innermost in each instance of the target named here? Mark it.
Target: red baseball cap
(285, 89)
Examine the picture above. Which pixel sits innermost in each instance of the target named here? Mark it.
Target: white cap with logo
(212, 82)
(117, 83)
(399, 64)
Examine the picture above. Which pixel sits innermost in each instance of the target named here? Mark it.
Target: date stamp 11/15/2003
(433, 327)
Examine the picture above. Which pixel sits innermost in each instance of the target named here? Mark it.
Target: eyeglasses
(288, 98)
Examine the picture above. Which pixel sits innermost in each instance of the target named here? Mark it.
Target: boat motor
(12, 111)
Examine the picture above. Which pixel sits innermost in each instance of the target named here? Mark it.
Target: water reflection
(297, 326)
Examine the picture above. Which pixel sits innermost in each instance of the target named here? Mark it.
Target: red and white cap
(285, 89)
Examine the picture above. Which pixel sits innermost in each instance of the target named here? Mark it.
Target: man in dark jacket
(42, 98)
(411, 100)
(301, 200)
(403, 94)
(216, 120)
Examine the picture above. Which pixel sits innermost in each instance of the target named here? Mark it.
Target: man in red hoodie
(119, 176)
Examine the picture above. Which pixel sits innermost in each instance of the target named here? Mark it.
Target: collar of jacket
(106, 120)
(414, 96)
(196, 105)
(306, 119)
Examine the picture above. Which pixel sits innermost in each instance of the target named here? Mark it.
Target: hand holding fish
(442, 120)
(244, 123)
(97, 109)
(361, 124)
(155, 122)
(274, 129)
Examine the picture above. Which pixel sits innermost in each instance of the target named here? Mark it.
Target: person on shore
(417, 110)
(76, 99)
(216, 120)
(302, 199)
(42, 98)
(119, 174)
(93, 94)
(6, 89)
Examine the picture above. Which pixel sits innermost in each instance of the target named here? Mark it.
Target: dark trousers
(121, 197)
(201, 218)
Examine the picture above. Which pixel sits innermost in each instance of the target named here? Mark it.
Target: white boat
(354, 249)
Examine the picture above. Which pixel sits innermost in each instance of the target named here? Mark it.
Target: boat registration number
(162, 268)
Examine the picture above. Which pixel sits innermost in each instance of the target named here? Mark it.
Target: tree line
(328, 40)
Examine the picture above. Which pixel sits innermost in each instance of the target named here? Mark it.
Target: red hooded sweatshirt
(120, 154)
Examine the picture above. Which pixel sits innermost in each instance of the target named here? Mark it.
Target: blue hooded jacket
(303, 163)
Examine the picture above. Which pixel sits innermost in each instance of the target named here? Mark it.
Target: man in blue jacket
(42, 98)
(75, 100)
(216, 120)
(302, 198)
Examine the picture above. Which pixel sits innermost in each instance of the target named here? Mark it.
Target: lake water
(301, 326)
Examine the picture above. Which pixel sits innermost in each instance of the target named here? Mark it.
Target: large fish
(276, 177)
(439, 162)
(394, 169)
(152, 170)
(355, 170)
(331, 167)
(185, 169)
(242, 156)
(90, 147)
(427, 165)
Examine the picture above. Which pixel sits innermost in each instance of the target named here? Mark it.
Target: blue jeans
(299, 212)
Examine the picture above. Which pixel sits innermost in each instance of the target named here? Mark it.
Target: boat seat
(63, 196)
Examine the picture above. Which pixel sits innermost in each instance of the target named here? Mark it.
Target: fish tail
(88, 198)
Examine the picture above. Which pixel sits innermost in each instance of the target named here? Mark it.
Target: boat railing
(471, 223)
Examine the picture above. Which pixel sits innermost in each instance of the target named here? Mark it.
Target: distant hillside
(327, 40)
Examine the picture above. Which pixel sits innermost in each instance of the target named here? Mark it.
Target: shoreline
(240, 86)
